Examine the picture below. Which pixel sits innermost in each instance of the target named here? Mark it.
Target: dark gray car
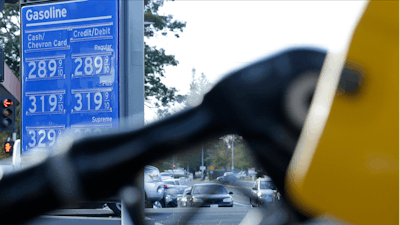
(228, 177)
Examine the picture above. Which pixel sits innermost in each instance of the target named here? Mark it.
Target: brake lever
(249, 102)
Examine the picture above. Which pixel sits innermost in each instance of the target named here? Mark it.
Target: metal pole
(232, 154)
(131, 61)
(202, 162)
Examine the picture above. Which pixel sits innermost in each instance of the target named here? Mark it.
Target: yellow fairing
(350, 167)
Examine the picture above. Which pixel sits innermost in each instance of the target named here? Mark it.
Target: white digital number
(77, 72)
(42, 136)
(98, 63)
(98, 100)
(53, 102)
(79, 96)
(42, 98)
(51, 135)
(31, 75)
(88, 99)
(42, 69)
(52, 67)
(33, 103)
(92, 65)
(88, 66)
(33, 139)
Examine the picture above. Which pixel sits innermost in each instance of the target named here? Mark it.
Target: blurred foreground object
(339, 166)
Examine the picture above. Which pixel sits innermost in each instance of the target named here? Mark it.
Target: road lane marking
(241, 204)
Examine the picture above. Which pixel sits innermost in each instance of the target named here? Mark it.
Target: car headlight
(197, 200)
(168, 198)
(227, 199)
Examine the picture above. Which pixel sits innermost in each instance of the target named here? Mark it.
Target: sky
(222, 36)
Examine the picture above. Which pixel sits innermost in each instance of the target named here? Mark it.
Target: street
(240, 213)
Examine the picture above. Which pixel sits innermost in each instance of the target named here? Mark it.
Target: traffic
(164, 191)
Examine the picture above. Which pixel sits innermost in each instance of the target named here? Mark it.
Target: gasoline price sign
(70, 70)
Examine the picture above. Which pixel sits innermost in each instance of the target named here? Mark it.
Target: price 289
(92, 65)
(45, 69)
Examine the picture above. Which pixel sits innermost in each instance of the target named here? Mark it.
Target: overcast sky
(221, 36)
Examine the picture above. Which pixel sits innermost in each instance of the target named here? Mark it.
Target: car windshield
(209, 189)
(177, 182)
(169, 182)
(151, 175)
(267, 185)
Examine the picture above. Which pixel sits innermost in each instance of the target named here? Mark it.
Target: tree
(221, 154)
(155, 59)
(199, 86)
(10, 36)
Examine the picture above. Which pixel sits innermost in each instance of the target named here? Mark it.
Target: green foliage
(156, 59)
(10, 36)
(220, 155)
(155, 62)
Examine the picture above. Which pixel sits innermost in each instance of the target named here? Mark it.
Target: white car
(166, 176)
(264, 192)
(154, 187)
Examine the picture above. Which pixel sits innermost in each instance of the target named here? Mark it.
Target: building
(11, 85)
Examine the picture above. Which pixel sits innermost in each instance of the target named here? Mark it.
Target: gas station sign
(70, 70)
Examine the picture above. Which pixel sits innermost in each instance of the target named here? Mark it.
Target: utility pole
(173, 168)
(232, 153)
(202, 162)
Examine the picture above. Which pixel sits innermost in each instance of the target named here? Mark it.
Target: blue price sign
(70, 75)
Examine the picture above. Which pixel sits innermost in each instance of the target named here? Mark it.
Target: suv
(153, 187)
(229, 177)
(264, 191)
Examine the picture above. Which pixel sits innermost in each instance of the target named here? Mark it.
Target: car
(229, 177)
(166, 176)
(183, 199)
(154, 187)
(263, 192)
(209, 195)
(173, 189)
